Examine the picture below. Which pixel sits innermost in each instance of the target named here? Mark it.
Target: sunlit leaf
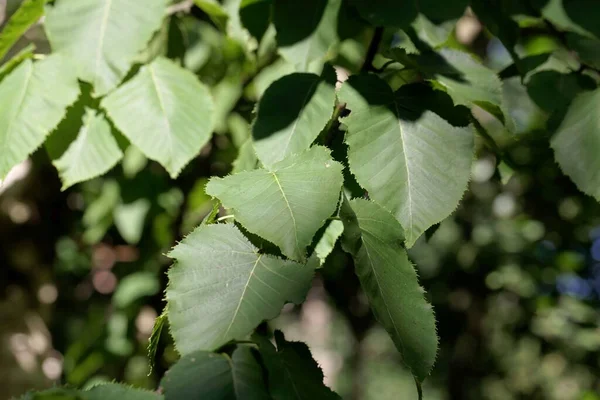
(291, 114)
(390, 283)
(221, 287)
(410, 160)
(28, 14)
(287, 203)
(44, 90)
(102, 37)
(165, 111)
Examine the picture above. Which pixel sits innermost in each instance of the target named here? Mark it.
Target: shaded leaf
(102, 37)
(220, 287)
(410, 160)
(28, 14)
(204, 375)
(388, 13)
(117, 391)
(293, 374)
(390, 282)
(287, 203)
(306, 30)
(93, 153)
(43, 89)
(154, 339)
(576, 143)
(291, 114)
(165, 112)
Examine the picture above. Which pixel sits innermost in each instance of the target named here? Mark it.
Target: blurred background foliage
(513, 274)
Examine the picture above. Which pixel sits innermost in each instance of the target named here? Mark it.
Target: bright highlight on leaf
(43, 89)
(102, 37)
(93, 153)
(287, 203)
(390, 282)
(292, 113)
(165, 111)
(221, 287)
(410, 160)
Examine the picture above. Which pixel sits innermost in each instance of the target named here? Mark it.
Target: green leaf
(154, 339)
(388, 13)
(204, 375)
(390, 282)
(102, 37)
(293, 374)
(410, 160)
(306, 30)
(553, 91)
(39, 92)
(93, 153)
(588, 49)
(165, 112)
(466, 80)
(16, 60)
(576, 144)
(129, 219)
(255, 15)
(439, 11)
(215, 12)
(246, 159)
(327, 242)
(291, 114)
(122, 392)
(287, 203)
(28, 14)
(220, 287)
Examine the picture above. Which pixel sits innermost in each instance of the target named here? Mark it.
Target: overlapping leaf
(287, 203)
(102, 37)
(204, 375)
(390, 282)
(410, 160)
(33, 99)
(293, 374)
(306, 30)
(28, 14)
(291, 114)
(327, 242)
(165, 111)
(576, 144)
(94, 151)
(467, 81)
(220, 287)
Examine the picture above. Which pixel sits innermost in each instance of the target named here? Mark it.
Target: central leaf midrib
(290, 209)
(409, 231)
(164, 111)
(103, 25)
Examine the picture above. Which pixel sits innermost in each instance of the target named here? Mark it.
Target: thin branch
(372, 50)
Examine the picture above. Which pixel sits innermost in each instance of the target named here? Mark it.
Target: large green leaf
(306, 30)
(94, 151)
(102, 37)
(291, 114)
(410, 160)
(33, 99)
(28, 14)
(293, 374)
(165, 111)
(287, 203)
(390, 282)
(220, 287)
(210, 376)
(576, 144)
